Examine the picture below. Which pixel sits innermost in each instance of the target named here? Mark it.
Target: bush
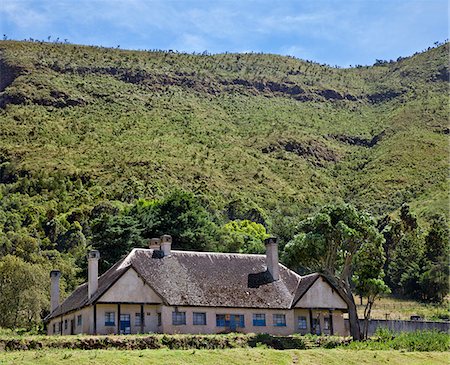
(386, 339)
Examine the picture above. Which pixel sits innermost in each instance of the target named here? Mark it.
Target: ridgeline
(260, 131)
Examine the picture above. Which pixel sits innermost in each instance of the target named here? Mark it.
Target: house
(166, 291)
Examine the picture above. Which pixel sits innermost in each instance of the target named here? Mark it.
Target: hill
(207, 142)
(264, 131)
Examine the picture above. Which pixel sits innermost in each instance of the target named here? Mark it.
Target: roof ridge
(204, 252)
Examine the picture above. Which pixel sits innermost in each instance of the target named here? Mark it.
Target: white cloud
(22, 14)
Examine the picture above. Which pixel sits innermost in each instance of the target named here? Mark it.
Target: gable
(321, 295)
(130, 288)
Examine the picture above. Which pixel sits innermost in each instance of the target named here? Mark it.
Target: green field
(228, 357)
(395, 308)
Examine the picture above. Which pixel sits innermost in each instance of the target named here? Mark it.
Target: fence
(403, 326)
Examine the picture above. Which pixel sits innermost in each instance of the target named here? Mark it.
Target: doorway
(125, 324)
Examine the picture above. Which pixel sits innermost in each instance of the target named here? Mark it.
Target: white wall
(130, 288)
(321, 295)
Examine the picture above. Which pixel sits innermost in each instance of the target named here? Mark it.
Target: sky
(337, 32)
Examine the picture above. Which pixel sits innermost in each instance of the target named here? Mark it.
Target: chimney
(93, 258)
(54, 289)
(166, 244)
(272, 257)
(155, 244)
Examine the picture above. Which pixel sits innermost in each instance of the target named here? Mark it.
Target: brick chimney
(54, 289)
(93, 258)
(272, 257)
(166, 244)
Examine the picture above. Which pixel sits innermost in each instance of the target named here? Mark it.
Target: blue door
(233, 323)
(125, 324)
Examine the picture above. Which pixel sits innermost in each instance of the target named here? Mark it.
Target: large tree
(435, 275)
(23, 292)
(329, 242)
(183, 216)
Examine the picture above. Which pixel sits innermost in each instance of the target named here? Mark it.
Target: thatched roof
(201, 279)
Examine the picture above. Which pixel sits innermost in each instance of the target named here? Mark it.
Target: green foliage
(385, 339)
(330, 240)
(183, 216)
(244, 237)
(114, 237)
(434, 280)
(23, 292)
(339, 240)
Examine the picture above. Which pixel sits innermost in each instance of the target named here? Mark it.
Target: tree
(114, 236)
(23, 296)
(182, 216)
(368, 278)
(404, 247)
(243, 236)
(329, 242)
(435, 275)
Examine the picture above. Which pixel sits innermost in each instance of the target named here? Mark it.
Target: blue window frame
(178, 318)
(199, 318)
(231, 321)
(279, 320)
(110, 319)
(221, 320)
(259, 319)
(239, 319)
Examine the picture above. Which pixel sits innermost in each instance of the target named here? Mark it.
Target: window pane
(279, 320)
(159, 319)
(220, 320)
(178, 318)
(79, 320)
(110, 319)
(137, 319)
(259, 319)
(239, 320)
(199, 318)
(326, 323)
(302, 323)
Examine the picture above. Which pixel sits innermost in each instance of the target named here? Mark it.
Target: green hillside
(263, 130)
(106, 148)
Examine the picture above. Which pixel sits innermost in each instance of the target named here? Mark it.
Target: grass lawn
(228, 357)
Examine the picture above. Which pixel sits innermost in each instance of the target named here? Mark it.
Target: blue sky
(336, 32)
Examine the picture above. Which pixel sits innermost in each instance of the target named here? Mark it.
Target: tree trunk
(343, 287)
(355, 331)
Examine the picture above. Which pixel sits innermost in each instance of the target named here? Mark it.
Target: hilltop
(245, 132)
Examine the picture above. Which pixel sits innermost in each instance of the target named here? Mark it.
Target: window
(137, 319)
(231, 321)
(178, 318)
(326, 323)
(279, 320)
(79, 320)
(302, 323)
(110, 319)
(259, 319)
(54, 328)
(221, 321)
(239, 320)
(199, 319)
(65, 324)
(159, 319)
